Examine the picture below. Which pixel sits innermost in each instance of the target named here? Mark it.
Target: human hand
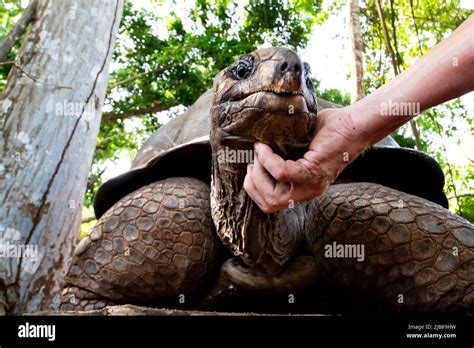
(273, 182)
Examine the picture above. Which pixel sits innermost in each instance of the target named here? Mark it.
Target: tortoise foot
(75, 299)
(401, 250)
(300, 273)
(155, 244)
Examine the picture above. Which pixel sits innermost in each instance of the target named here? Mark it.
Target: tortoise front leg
(154, 244)
(417, 255)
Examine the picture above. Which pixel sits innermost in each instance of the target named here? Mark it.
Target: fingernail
(256, 146)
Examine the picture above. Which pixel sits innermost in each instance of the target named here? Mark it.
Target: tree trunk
(49, 120)
(355, 32)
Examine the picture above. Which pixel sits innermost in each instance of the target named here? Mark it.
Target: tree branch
(154, 107)
(396, 67)
(135, 77)
(416, 27)
(7, 43)
(88, 219)
(94, 178)
(17, 64)
(462, 196)
(394, 31)
(416, 134)
(387, 37)
(355, 32)
(448, 164)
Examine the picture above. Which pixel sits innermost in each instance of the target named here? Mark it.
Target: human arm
(446, 72)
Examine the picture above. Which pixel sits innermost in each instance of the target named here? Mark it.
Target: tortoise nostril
(288, 72)
(293, 67)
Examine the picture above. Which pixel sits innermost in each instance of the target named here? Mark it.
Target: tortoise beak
(288, 74)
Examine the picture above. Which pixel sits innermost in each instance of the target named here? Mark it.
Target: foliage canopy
(167, 55)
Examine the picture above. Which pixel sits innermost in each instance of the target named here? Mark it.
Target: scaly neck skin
(264, 242)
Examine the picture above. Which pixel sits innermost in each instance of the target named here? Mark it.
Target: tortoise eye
(243, 67)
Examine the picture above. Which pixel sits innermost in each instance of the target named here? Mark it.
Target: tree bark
(355, 32)
(50, 112)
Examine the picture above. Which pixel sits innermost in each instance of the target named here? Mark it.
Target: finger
(250, 187)
(306, 192)
(295, 193)
(275, 195)
(262, 178)
(273, 192)
(278, 168)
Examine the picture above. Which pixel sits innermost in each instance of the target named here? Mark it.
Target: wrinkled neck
(263, 241)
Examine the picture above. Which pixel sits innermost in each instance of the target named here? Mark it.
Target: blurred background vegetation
(167, 54)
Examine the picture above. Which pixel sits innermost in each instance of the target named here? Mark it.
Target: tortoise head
(265, 96)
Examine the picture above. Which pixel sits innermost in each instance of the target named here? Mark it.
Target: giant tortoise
(382, 228)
